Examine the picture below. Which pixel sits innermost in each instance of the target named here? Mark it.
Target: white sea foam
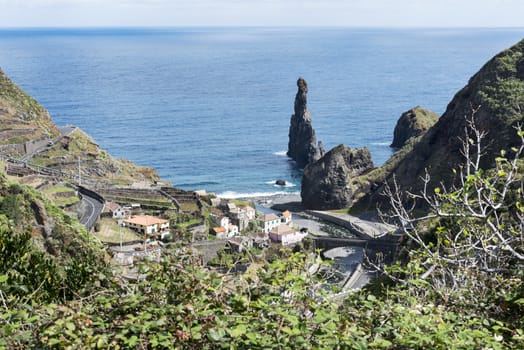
(233, 194)
(281, 153)
(381, 143)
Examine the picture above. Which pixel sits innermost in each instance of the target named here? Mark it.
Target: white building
(286, 235)
(226, 228)
(270, 222)
(147, 224)
(286, 217)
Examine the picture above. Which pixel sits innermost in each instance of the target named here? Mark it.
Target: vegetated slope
(96, 164)
(24, 121)
(44, 252)
(21, 118)
(413, 123)
(494, 97)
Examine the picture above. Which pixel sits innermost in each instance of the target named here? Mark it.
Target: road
(92, 209)
(64, 131)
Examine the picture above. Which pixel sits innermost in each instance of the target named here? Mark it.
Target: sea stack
(413, 123)
(329, 182)
(303, 147)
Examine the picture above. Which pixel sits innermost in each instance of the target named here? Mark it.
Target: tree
(470, 241)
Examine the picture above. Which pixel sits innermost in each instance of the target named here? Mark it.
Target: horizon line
(196, 26)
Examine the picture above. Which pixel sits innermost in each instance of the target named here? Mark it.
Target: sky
(345, 13)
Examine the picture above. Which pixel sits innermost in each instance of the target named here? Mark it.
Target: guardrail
(92, 194)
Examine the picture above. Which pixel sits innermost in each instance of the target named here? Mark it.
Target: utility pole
(120, 233)
(79, 176)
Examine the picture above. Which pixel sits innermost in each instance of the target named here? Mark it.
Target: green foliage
(504, 92)
(176, 305)
(466, 254)
(505, 97)
(56, 291)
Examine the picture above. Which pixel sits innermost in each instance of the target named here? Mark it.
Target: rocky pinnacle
(303, 146)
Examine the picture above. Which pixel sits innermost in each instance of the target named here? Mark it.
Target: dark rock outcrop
(494, 96)
(303, 147)
(413, 123)
(327, 183)
(280, 183)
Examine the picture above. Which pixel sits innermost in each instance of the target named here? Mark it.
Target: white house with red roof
(147, 224)
(272, 220)
(286, 217)
(226, 228)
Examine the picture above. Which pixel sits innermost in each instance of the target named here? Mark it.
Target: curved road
(92, 209)
(64, 131)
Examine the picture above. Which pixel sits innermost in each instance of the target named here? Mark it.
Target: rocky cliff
(27, 128)
(21, 118)
(327, 183)
(303, 146)
(494, 97)
(413, 123)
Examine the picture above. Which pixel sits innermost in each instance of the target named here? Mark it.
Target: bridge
(385, 245)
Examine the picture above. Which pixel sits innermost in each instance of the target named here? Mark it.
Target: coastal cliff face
(27, 127)
(413, 123)
(327, 183)
(21, 117)
(494, 97)
(303, 147)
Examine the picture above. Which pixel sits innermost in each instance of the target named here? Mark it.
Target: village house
(220, 232)
(279, 229)
(286, 235)
(225, 229)
(272, 221)
(241, 215)
(276, 233)
(286, 217)
(147, 224)
(117, 212)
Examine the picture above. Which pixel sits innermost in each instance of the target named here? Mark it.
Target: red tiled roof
(286, 214)
(145, 220)
(219, 229)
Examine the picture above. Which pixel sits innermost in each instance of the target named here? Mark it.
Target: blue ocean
(209, 108)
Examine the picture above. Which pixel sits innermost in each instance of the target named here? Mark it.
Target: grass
(110, 232)
(54, 194)
(339, 211)
(65, 201)
(59, 189)
(189, 223)
(188, 206)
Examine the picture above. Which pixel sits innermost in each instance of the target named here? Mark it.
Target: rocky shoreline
(281, 202)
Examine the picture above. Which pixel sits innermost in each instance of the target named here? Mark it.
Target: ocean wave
(381, 143)
(281, 153)
(234, 195)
